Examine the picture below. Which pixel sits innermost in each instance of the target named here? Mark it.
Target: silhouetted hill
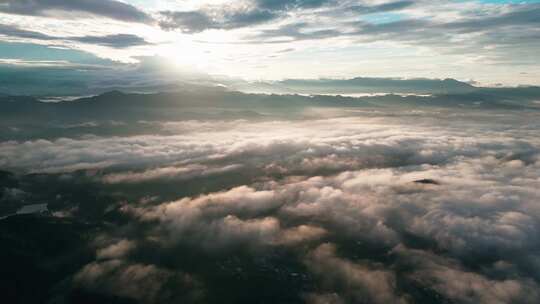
(214, 102)
(360, 85)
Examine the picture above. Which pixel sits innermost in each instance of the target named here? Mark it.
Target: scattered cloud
(260, 12)
(114, 41)
(465, 40)
(103, 8)
(198, 21)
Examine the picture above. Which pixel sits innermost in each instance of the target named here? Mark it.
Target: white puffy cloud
(479, 207)
(116, 250)
(357, 282)
(447, 277)
(304, 146)
(141, 282)
(218, 220)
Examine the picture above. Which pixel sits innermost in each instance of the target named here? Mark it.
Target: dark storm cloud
(114, 40)
(105, 8)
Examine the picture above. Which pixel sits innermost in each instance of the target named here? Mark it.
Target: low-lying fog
(331, 205)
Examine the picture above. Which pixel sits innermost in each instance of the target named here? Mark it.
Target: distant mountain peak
(112, 93)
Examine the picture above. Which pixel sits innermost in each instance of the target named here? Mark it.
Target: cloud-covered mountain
(371, 85)
(115, 112)
(89, 75)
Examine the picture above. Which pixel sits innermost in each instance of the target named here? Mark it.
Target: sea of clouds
(368, 206)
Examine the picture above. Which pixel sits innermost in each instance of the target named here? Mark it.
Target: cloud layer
(341, 214)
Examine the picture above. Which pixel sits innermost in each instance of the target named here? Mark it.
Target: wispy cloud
(56, 8)
(114, 40)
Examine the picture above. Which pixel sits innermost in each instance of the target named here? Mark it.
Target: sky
(490, 42)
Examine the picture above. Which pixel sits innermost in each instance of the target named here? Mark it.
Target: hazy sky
(488, 41)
